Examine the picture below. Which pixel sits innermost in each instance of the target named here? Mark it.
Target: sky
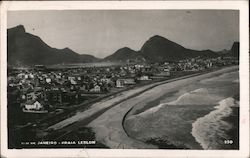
(102, 32)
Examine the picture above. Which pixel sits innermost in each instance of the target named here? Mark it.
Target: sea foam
(199, 96)
(209, 130)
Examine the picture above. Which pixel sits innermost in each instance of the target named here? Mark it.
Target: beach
(109, 102)
(165, 112)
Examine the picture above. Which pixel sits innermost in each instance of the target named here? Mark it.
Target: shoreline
(102, 122)
(125, 95)
(225, 116)
(97, 110)
(167, 142)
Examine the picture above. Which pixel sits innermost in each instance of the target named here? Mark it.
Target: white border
(114, 5)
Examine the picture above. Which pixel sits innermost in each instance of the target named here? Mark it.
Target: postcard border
(115, 5)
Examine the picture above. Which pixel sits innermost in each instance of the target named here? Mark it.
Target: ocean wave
(209, 130)
(223, 77)
(151, 110)
(199, 96)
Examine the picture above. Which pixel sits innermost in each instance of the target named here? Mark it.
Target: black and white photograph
(165, 79)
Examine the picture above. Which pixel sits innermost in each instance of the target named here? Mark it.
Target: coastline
(124, 95)
(112, 112)
(233, 133)
(86, 118)
(222, 120)
(103, 125)
(233, 119)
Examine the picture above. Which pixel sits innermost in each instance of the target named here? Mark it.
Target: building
(34, 106)
(143, 78)
(96, 89)
(48, 80)
(125, 81)
(106, 80)
(31, 96)
(119, 83)
(165, 72)
(53, 97)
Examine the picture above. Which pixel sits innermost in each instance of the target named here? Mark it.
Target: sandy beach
(113, 100)
(109, 126)
(108, 103)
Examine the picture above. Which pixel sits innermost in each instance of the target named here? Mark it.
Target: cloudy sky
(101, 33)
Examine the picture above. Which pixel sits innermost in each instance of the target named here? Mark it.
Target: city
(51, 92)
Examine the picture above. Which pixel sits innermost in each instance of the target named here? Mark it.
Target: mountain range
(27, 49)
(158, 48)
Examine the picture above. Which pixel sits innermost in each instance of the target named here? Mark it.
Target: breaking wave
(223, 77)
(199, 115)
(199, 96)
(209, 130)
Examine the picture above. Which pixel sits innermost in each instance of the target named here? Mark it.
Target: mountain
(27, 49)
(124, 54)
(86, 58)
(158, 49)
(235, 49)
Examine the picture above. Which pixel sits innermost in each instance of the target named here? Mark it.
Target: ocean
(201, 114)
(84, 65)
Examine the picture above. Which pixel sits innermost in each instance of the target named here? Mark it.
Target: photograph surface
(123, 79)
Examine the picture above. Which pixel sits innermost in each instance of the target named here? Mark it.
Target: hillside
(158, 48)
(27, 49)
(124, 54)
(235, 49)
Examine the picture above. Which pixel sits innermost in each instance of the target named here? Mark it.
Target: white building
(96, 89)
(124, 81)
(144, 78)
(35, 105)
(48, 80)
